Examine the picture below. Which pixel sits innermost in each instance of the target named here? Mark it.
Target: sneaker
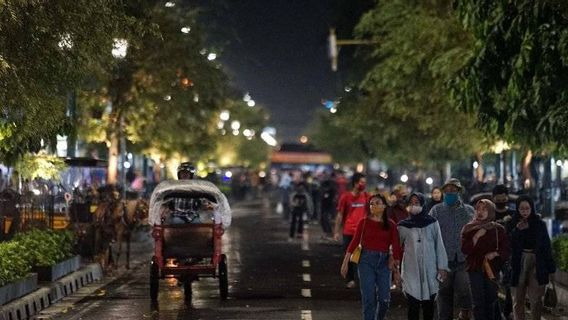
(350, 284)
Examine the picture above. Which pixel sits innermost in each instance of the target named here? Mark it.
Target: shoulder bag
(356, 254)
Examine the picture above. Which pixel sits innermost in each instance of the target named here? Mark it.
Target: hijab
(421, 219)
(487, 223)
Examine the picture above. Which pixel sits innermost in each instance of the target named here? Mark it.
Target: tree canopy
(515, 81)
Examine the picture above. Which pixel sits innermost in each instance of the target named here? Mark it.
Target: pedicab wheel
(154, 280)
(223, 278)
(187, 290)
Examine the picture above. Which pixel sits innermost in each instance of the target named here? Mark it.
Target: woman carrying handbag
(374, 237)
(486, 245)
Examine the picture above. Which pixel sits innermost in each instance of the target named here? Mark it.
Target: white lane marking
(307, 293)
(306, 314)
(305, 246)
(306, 263)
(307, 277)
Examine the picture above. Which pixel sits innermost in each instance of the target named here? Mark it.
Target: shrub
(13, 265)
(560, 251)
(46, 247)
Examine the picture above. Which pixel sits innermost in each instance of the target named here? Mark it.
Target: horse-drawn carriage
(188, 250)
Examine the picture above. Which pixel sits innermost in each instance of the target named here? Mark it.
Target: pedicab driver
(186, 209)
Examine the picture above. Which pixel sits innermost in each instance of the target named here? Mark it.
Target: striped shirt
(452, 220)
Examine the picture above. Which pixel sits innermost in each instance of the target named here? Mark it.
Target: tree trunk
(113, 152)
(480, 171)
(528, 181)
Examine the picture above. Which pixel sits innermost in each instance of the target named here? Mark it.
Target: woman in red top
(377, 235)
(486, 245)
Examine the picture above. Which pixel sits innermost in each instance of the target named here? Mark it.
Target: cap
(453, 182)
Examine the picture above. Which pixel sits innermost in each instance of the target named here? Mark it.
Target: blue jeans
(375, 282)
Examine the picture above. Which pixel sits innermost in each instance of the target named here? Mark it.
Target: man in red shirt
(350, 210)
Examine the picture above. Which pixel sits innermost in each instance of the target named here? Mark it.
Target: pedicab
(190, 248)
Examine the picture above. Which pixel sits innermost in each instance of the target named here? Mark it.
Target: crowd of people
(440, 251)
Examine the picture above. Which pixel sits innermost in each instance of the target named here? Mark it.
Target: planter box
(59, 270)
(561, 277)
(18, 288)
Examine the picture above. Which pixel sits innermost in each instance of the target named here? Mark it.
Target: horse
(133, 213)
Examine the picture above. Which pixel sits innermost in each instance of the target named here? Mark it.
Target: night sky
(277, 51)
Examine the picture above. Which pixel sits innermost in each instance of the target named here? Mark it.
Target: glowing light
(228, 174)
(235, 125)
(559, 163)
(262, 174)
(129, 156)
(225, 115)
(251, 103)
(304, 139)
(268, 139)
(168, 98)
(404, 178)
(247, 133)
(333, 110)
(170, 4)
(196, 98)
(429, 181)
(475, 164)
(36, 192)
(127, 164)
(212, 56)
(203, 51)
(119, 48)
(220, 124)
(383, 175)
(348, 89)
(236, 132)
(247, 97)
(185, 30)
(66, 42)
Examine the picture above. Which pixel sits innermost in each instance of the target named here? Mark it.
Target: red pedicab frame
(188, 241)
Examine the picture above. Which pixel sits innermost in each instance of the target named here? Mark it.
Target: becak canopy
(169, 189)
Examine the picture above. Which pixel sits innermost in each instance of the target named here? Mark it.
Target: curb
(31, 304)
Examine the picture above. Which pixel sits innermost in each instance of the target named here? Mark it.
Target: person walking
(424, 262)
(350, 210)
(452, 215)
(300, 206)
(435, 198)
(377, 235)
(397, 211)
(532, 264)
(328, 199)
(504, 214)
(486, 245)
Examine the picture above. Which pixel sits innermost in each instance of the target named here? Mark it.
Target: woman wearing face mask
(377, 235)
(486, 245)
(531, 263)
(424, 261)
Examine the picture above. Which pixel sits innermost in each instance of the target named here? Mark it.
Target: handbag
(487, 268)
(550, 297)
(356, 254)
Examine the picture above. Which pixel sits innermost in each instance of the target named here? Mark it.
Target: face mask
(415, 209)
(450, 198)
(361, 187)
(501, 205)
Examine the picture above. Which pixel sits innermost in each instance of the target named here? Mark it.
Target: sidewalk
(52, 298)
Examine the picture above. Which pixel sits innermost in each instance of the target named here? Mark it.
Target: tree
(515, 79)
(166, 91)
(45, 50)
(403, 113)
